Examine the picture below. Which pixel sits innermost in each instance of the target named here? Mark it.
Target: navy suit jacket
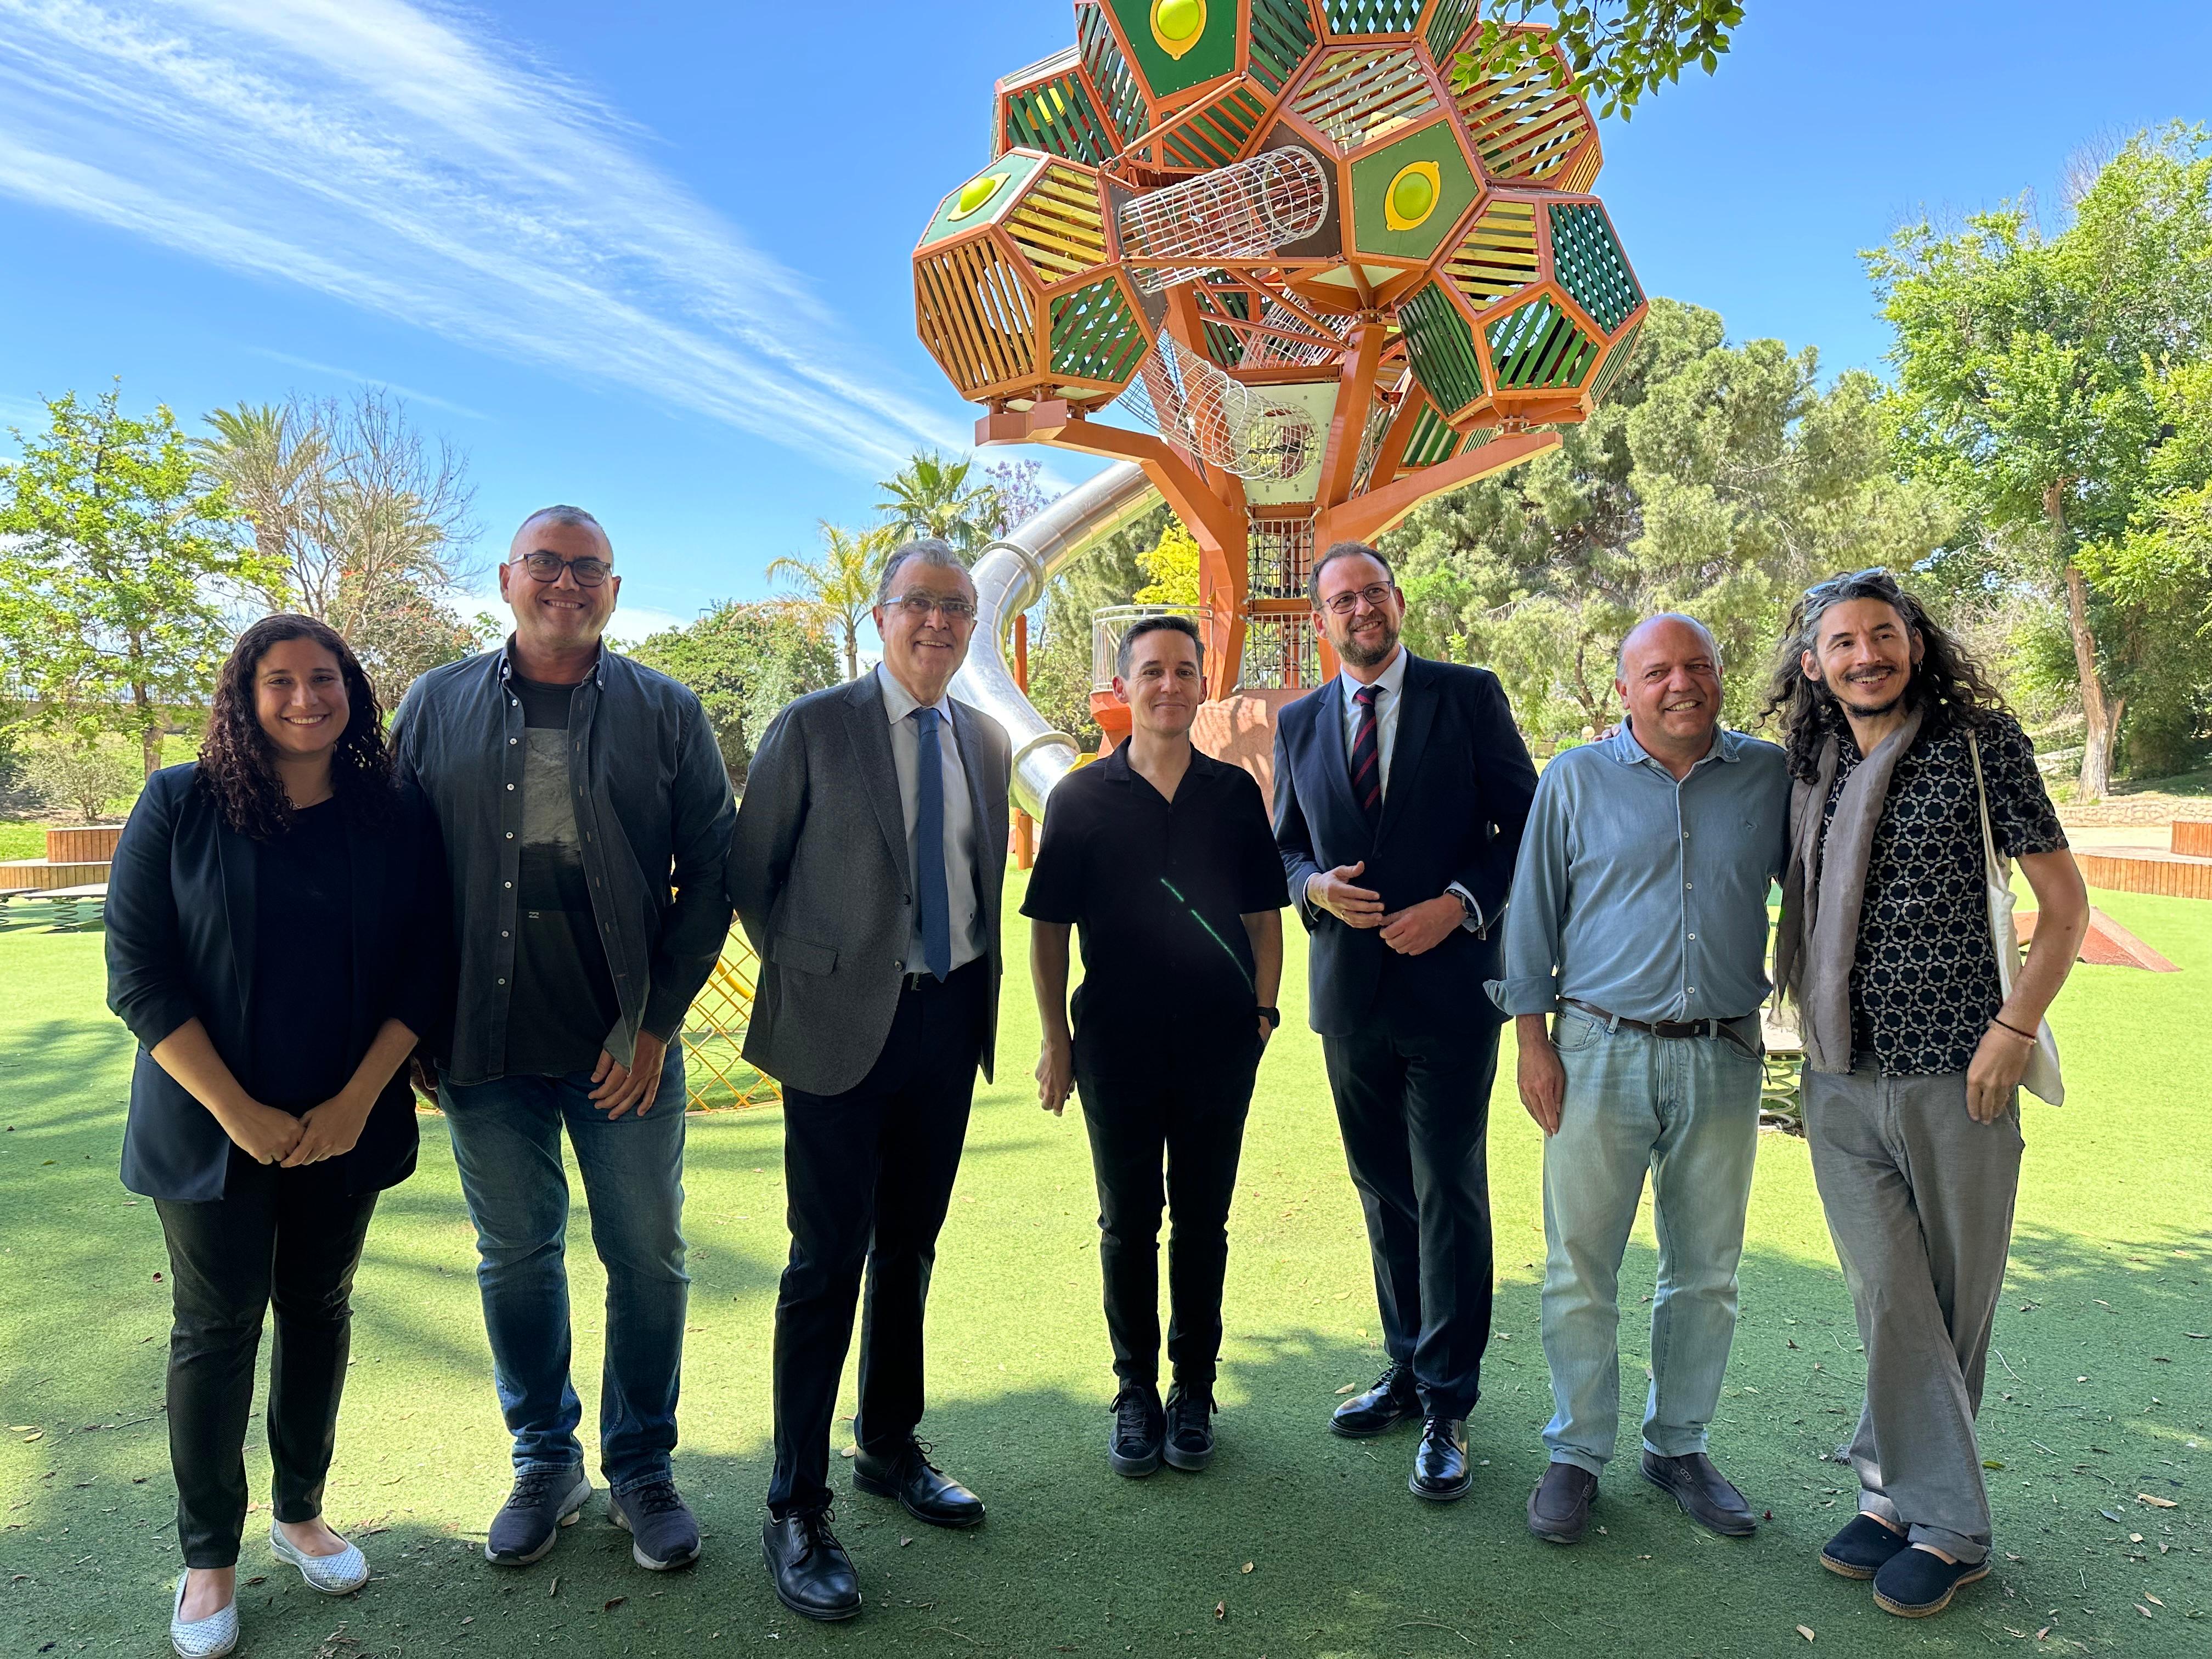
(1459, 789)
(180, 945)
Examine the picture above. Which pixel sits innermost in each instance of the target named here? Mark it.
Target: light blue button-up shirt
(1643, 895)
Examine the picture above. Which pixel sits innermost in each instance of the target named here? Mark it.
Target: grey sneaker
(663, 1533)
(543, 1502)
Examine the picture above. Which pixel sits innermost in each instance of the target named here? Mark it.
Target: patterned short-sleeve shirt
(1925, 983)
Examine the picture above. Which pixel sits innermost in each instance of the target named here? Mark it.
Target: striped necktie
(1366, 753)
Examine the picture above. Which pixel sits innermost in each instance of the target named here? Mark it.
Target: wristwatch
(1272, 1016)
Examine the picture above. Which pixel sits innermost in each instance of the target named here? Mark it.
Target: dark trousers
(292, 1237)
(1415, 1115)
(1195, 1121)
(867, 1176)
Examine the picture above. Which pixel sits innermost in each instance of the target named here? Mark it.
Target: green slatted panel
(1059, 118)
(1282, 35)
(1432, 441)
(1212, 137)
(1616, 365)
(1372, 17)
(1441, 346)
(1590, 265)
(1537, 346)
(1095, 335)
(1447, 27)
(1111, 73)
(1226, 345)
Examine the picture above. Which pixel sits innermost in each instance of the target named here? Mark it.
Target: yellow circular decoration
(1412, 195)
(1178, 25)
(975, 192)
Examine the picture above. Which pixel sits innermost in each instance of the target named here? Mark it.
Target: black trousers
(867, 1176)
(1195, 1122)
(290, 1237)
(1415, 1117)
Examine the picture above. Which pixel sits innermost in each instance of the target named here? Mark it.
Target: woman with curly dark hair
(1913, 790)
(274, 920)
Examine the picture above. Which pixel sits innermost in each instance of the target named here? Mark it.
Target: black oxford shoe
(1391, 1402)
(812, 1575)
(1560, 1508)
(920, 1490)
(1440, 1469)
(1702, 1492)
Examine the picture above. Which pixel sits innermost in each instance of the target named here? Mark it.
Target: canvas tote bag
(2042, 1078)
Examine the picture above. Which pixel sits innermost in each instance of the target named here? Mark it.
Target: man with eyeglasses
(586, 813)
(867, 867)
(1402, 788)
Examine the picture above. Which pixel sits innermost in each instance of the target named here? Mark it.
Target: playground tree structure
(1329, 286)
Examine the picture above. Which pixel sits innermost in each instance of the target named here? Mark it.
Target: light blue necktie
(929, 836)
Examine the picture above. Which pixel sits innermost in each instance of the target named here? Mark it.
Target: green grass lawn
(1294, 1544)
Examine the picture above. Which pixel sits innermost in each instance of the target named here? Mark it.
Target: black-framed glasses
(1342, 605)
(544, 567)
(953, 609)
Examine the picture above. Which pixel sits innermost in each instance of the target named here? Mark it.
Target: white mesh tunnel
(1246, 211)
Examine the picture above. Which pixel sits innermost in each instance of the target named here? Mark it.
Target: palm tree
(931, 497)
(840, 586)
(272, 461)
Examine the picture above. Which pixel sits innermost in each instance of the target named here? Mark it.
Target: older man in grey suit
(870, 849)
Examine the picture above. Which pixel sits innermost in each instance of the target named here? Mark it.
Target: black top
(1159, 890)
(299, 1055)
(1924, 981)
(564, 1003)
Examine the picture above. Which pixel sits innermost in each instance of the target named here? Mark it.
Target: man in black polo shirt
(1166, 861)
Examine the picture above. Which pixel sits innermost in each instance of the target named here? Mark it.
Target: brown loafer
(1560, 1508)
(1702, 1492)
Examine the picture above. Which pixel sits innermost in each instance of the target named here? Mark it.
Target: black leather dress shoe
(920, 1490)
(1440, 1467)
(812, 1575)
(1702, 1492)
(1560, 1508)
(1391, 1402)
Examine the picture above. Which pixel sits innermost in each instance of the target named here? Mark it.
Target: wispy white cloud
(397, 158)
(333, 372)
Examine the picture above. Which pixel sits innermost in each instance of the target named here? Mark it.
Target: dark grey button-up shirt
(1641, 896)
(653, 804)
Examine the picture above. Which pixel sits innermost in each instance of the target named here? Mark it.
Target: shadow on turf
(1344, 1561)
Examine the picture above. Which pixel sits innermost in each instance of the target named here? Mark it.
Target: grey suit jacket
(817, 873)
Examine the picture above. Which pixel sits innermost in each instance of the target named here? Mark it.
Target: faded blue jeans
(1686, 1109)
(507, 1142)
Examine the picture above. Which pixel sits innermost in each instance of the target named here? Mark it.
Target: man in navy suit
(1401, 790)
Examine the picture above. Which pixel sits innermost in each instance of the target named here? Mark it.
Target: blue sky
(653, 258)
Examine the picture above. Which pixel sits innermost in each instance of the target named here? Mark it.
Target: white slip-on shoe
(334, 1575)
(204, 1639)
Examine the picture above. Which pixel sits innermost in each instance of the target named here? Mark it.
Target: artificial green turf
(1294, 1543)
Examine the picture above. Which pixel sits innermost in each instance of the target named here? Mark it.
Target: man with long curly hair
(1909, 779)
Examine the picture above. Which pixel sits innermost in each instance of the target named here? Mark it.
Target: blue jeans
(507, 1142)
(1686, 1110)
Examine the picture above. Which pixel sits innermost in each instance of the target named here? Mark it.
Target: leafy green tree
(1716, 481)
(932, 496)
(116, 559)
(840, 586)
(1617, 51)
(84, 774)
(1172, 567)
(2029, 369)
(746, 662)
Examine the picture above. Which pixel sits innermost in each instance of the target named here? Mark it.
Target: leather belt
(1670, 1029)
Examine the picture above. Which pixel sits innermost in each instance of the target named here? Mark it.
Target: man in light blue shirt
(1637, 921)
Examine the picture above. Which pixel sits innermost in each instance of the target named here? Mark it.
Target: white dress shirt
(964, 907)
(1392, 679)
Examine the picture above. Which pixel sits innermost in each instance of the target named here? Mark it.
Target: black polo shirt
(1158, 891)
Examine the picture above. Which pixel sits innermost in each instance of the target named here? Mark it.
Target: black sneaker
(663, 1533)
(543, 1502)
(1133, 1448)
(1189, 1440)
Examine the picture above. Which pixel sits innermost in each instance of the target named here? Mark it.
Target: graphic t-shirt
(564, 1003)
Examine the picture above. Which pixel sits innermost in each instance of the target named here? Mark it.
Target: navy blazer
(1460, 786)
(180, 944)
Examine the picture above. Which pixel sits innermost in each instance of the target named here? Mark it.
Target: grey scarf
(1825, 890)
